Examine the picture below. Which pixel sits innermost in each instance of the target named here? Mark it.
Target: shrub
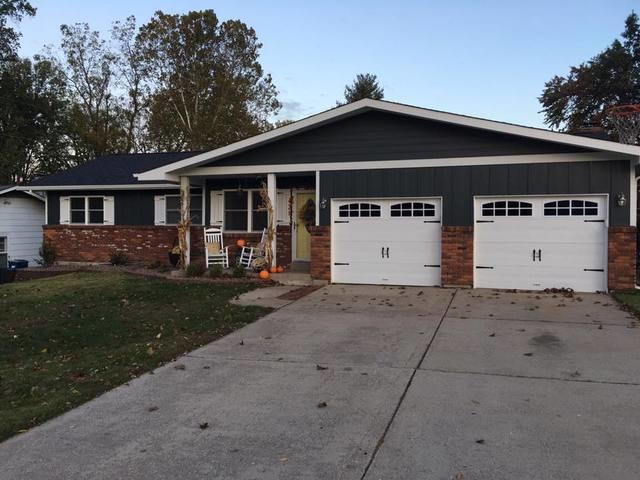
(118, 258)
(194, 270)
(239, 271)
(215, 271)
(47, 254)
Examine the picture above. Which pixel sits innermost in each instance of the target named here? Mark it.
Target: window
(86, 210)
(172, 205)
(413, 209)
(4, 258)
(236, 211)
(359, 210)
(507, 208)
(258, 212)
(574, 208)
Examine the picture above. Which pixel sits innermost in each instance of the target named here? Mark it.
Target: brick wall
(142, 244)
(320, 252)
(283, 245)
(622, 258)
(457, 256)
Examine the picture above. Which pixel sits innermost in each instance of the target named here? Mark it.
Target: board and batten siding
(21, 221)
(458, 185)
(374, 136)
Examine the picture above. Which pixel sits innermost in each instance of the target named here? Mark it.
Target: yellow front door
(303, 240)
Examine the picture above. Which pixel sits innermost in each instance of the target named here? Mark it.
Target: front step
(296, 279)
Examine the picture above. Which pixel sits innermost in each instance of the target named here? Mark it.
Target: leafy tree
(209, 88)
(364, 86)
(610, 78)
(32, 121)
(11, 10)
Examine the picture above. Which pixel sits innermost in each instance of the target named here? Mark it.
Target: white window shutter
(65, 211)
(109, 214)
(283, 216)
(217, 208)
(160, 210)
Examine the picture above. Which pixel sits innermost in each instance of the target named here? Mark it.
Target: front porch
(236, 205)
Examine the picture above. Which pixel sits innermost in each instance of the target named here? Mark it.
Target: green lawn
(629, 298)
(64, 340)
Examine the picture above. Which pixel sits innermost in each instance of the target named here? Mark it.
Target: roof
(170, 171)
(111, 170)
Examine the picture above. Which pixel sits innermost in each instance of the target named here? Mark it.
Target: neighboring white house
(21, 220)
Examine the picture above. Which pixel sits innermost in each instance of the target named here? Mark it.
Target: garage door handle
(382, 252)
(534, 254)
(387, 252)
(539, 255)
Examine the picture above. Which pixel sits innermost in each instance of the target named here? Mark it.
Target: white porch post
(271, 192)
(185, 220)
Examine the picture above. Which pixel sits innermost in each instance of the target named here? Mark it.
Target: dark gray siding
(458, 185)
(131, 207)
(375, 135)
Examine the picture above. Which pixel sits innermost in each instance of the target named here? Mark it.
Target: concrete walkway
(364, 382)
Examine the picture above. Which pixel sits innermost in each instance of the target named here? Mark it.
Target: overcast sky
(484, 58)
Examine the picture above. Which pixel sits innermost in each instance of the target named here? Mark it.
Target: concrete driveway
(365, 382)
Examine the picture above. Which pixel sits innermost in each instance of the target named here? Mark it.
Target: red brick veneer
(320, 252)
(457, 256)
(283, 245)
(622, 258)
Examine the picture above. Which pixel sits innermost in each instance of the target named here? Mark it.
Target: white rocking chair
(249, 254)
(214, 250)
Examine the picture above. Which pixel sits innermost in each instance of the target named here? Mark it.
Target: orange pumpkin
(280, 269)
(264, 274)
(241, 242)
(273, 269)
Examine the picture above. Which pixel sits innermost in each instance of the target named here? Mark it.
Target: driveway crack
(406, 389)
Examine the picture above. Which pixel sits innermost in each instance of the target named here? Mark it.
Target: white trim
(318, 198)
(140, 186)
(633, 195)
(416, 163)
(164, 172)
(28, 191)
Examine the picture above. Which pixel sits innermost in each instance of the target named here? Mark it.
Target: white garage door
(533, 243)
(383, 241)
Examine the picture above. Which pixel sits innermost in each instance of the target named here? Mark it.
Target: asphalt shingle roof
(117, 169)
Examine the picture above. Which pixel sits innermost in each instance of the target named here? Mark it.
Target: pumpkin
(264, 274)
(273, 269)
(280, 269)
(241, 242)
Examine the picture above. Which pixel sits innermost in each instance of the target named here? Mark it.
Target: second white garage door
(532, 243)
(386, 241)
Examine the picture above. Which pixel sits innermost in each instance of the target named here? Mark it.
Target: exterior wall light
(323, 203)
(621, 199)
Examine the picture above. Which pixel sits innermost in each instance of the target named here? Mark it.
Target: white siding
(21, 222)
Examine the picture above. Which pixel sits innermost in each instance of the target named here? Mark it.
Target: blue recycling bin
(18, 263)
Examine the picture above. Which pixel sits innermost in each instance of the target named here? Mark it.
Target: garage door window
(413, 209)
(359, 210)
(574, 208)
(506, 208)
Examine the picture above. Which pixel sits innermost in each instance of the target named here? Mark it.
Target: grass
(630, 299)
(65, 340)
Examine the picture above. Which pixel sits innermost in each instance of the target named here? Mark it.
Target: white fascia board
(28, 191)
(144, 186)
(165, 172)
(417, 163)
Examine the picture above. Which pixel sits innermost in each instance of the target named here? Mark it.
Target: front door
(303, 239)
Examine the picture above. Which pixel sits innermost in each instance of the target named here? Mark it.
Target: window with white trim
(573, 208)
(359, 210)
(244, 211)
(507, 208)
(86, 210)
(4, 256)
(413, 209)
(172, 209)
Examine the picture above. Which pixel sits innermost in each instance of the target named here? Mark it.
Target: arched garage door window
(413, 209)
(574, 208)
(359, 210)
(507, 208)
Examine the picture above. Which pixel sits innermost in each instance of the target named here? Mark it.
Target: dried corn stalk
(271, 231)
(183, 226)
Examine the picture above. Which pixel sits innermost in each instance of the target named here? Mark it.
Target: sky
(486, 58)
